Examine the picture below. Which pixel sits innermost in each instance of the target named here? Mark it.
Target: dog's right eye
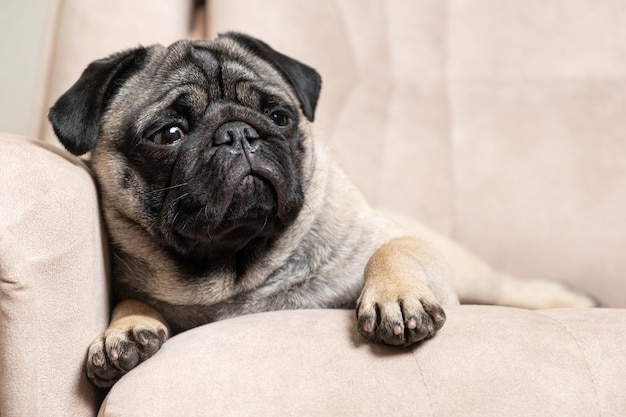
(167, 136)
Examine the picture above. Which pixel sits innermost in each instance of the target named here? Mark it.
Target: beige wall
(23, 66)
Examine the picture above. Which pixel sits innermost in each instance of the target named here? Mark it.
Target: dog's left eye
(280, 118)
(167, 135)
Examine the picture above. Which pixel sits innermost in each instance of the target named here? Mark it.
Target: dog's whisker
(167, 188)
(195, 218)
(177, 199)
(175, 216)
(264, 224)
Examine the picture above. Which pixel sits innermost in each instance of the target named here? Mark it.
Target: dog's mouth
(251, 185)
(252, 206)
(242, 207)
(254, 199)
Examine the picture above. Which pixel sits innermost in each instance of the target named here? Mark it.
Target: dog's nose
(239, 135)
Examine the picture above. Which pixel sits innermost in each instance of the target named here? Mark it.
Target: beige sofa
(501, 124)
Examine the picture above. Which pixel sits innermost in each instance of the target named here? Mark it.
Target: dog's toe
(120, 349)
(399, 323)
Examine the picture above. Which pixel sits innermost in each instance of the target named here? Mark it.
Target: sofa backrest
(502, 124)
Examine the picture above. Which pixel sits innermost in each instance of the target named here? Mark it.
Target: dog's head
(205, 146)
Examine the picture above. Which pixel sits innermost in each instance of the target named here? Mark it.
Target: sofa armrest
(486, 361)
(54, 296)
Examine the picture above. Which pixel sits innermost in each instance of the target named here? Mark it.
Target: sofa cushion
(487, 361)
(53, 285)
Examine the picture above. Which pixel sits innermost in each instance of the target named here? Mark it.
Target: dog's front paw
(121, 348)
(397, 319)
(405, 283)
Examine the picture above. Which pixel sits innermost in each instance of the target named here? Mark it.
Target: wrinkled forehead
(218, 67)
(188, 77)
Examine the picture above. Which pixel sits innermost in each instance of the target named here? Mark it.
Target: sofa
(500, 124)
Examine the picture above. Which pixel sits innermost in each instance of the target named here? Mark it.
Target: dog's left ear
(77, 114)
(305, 81)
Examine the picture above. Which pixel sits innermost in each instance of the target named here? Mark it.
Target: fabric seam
(583, 354)
(421, 373)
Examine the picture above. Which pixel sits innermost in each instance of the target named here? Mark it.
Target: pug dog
(218, 203)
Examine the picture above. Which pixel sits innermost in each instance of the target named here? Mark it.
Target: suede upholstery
(54, 287)
(498, 123)
(313, 363)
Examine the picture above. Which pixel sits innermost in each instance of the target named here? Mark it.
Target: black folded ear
(305, 81)
(77, 114)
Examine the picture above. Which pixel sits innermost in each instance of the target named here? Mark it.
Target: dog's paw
(121, 348)
(397, 319)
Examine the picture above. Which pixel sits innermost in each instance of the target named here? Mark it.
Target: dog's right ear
(77, 114)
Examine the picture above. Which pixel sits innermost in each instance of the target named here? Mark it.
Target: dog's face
(205, 146)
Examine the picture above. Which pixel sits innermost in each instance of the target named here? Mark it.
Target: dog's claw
(411, 323)
(368, 325)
